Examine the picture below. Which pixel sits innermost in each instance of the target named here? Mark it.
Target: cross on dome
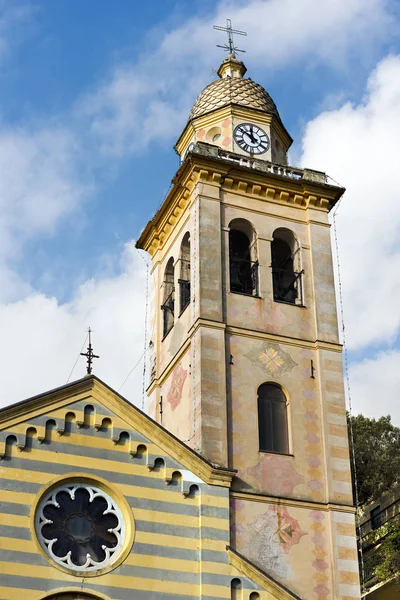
(230, 46)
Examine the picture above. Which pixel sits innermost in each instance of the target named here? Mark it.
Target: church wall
(210, 400)
(300, 546)
(177, 404)
(324, 283)
(260, 354)
(319, 467)
(265, 314)
(209, 249)
(163, 351)
(221, 126)
(244, 341)
(269, 341)
(168, 347)
(200, 424)
(336, 438)
(300, 474)
(173, 521)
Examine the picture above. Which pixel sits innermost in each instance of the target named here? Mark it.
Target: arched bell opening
(243, 263)
(168, 305)
(184, 275)
(286, 267)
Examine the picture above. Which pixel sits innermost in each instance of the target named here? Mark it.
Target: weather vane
(230, 46)
(89, 354)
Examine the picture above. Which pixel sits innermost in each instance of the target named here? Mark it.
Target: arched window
(168, 306)
(243, 265)
(272, 419)
(184, 281)
(286, 270)
(236, 589)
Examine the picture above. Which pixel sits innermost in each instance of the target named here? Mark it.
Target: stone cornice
(236, 176)
(293, 502)
(273, 338)
(287, 340)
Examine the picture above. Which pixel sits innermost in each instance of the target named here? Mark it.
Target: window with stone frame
(272, 419)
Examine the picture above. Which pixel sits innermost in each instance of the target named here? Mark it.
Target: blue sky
(93, 95)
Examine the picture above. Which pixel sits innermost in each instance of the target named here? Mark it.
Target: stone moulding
(93, 389)
(266, 582)
(298, 188)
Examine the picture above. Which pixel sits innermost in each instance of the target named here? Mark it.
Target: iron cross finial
(89, 354)
(230, 46)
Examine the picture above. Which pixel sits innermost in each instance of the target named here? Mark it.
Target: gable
(174, 518)
(90, 391)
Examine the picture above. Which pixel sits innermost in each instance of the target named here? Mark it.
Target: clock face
(251, 138)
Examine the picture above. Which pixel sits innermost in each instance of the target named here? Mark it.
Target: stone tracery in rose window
(80, 527)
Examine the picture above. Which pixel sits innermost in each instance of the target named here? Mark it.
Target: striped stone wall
(181, 523)
(346, 556)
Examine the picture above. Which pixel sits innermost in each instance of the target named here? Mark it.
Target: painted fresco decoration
(276, 473)
(269, 538)
(265, 315)
(320, 552)
(288, 530)
(271, 358)
(175, 391)
(312, 438)
(262, 545)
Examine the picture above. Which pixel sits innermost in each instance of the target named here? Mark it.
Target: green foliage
(389, 552)
(377, 455)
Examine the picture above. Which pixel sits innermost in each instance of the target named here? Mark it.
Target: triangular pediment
(89, 402)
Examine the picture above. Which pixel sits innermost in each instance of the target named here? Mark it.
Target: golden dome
(232, 88)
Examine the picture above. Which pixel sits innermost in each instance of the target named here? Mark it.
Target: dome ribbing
(233, 90)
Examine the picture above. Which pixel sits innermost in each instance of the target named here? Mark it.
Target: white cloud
(40, 184)
(151, 99)
(358, 146)
(374, 384)
(41, 338)
(130, 110)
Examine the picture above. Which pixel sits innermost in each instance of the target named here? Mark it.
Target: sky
(93, 96)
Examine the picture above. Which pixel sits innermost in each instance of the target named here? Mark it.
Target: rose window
(80, 527)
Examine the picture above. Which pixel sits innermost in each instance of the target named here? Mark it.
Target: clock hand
(253, 139)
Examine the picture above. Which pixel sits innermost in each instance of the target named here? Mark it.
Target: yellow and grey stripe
(180, 542)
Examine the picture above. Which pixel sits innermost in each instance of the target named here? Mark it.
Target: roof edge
(268, 583)
(91, 384)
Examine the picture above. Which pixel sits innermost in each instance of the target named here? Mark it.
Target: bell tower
(245, 356)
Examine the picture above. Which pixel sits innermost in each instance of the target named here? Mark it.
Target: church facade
(237, 485)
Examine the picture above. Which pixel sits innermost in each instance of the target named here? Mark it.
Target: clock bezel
(251, 151)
